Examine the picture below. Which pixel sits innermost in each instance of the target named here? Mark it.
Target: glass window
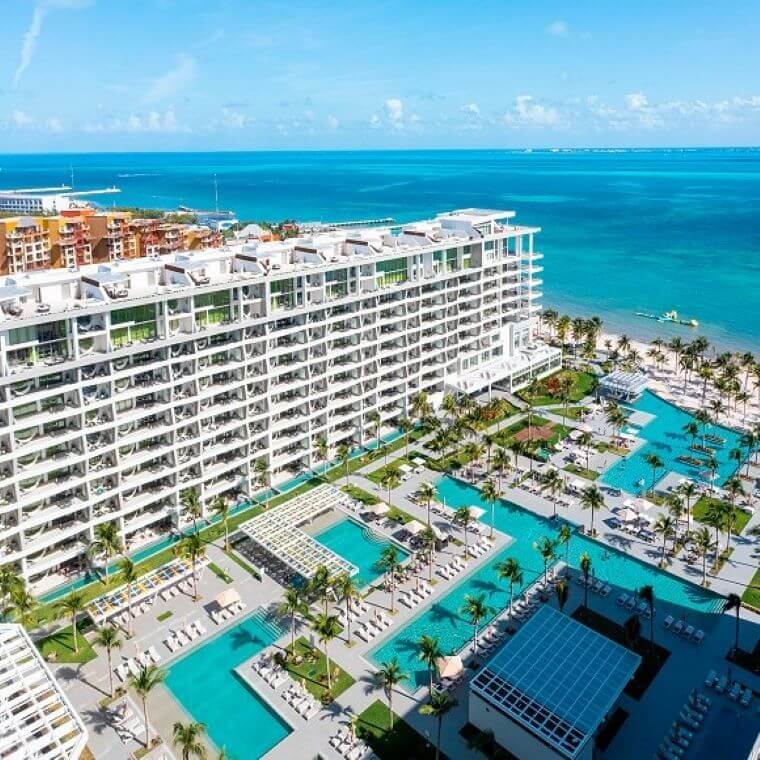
(392, 272)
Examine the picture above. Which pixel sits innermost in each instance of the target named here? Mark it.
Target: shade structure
(642, 505)
(405, 468)
(449, 667)
(381, 508)
(628, 515)
(477, 512)
(576, 434)
(227, 598)
(414, 527)
(579, 485)
(419, 461)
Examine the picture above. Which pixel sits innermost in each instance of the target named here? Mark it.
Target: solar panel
(557, 678)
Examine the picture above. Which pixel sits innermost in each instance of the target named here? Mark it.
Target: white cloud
(332, 122)
(528, 111)
(557, 29)
(636, 101)
(173, 81)
(21, 119)
(153, 121)
(374, 121)
(29, 41)
(54, 124)
(471, 115)
(394, 111)
(233, 119)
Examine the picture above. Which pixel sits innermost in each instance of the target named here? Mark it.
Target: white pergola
(36, 718)
(278, 531)
(625, 386)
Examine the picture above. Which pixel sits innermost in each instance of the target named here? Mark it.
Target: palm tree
(405, 425)
(374, 420)
(192, 504)
(691, 428)
(500, 463)
(714, 517)
(421, 406)
(427, 492)
(388, 676)
(347, 590)
(143, 683)
(389, 562)
(463, 517)
(107, 542)
(21, 607)
(565, 386)
(563, 538)
(429, 650)
(586, 439)
(646, 593)
(615, 417)
(187, 737)
(129, 575)
(321, 583)
(221, 507)
(10, 581)
(704, 545)
(191, 547)
(733, 487)
(688, 490)
(428, 539)
(72, 605)
(440, 703)
(321, 449)
(509, 570)
(490, 494)
(592, 499)
(476, 609)
(554, 484)
(108, 638)
(291, 606)
(344, 457)
(664, 527)
(390, 480)
(734, 602)
(261, 474)
(547, 549)
(655, 463)
(327, 628)
(562, 590)
(585, 566)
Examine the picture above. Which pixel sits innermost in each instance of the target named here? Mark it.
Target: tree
(733, 487)
(490, 494)
(143, 683)
(187, 737)
(714, 517)
(440, 704)
(463, 517)
(428, 539)
(389, 562)
(320, 584)
(291, 606)
(734, 602)
(500, 463)
(388, 676)
(632, 629)
(546, 549)
(429, 650)
(10, 581)
(564, 536)
(192, 504)
(374, 419)
(591, 498)
(691, 428)
(129, 575)
(665, 527)
(261, 474)
(616, 418)
(191, 547)
(108, 638)
(107, 542)
(688, 490)
(654, 461)
(72, 605)
(344, 457)
(562, 591)
(427, 492)
(327, 628)
(347, 590)
(555, 485)
(565, 386)
(321, 449)
(476, 609)
(585, 566)
(421, 406)
(704, 545)
(647, 595)
(509, 570)
(390, 480)
(405, 425)
(21, 607)
(221, 507)
(586, 439)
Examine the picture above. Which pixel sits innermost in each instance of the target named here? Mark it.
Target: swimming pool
(443, 618)
(360, 546)
(664, 435)
(205, 684)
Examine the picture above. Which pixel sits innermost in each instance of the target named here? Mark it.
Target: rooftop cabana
(625, 386)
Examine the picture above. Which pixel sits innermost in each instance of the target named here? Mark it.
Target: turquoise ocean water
(622, 231)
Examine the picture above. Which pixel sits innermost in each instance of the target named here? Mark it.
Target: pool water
(205, 684)
(360, 546)
(443, 618)
(664, 435)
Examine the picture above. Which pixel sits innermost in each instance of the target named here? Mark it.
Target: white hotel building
(123, 384)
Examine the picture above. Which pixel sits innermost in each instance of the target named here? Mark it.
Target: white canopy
(414, 527)
(227, 598)
(576, 434)
(449, 667)
(419, 461)
(628, 515)
(405, 468)
(579, 485)
(476, 512)
(380, 508)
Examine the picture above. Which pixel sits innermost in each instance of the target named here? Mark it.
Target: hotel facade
(123, 384)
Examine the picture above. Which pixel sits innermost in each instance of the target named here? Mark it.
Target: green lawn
(365, 497)
(582, 472)
(573, 412)
(752, 592)
(219, 573)
(559, 432)
(313, 671)
(164, 616)
(373, 726)
(376, 476)
(583, 385)
(702, 504)
(61, 644)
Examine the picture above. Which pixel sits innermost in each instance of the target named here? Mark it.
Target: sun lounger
(746, 697)
(678, 627)
(144, 659)
(735, 691)
(154, 655)
(182, 640)
(688, 632)
(190, 632)
(200, 628)
(712, 678)
(122, 671)
(669, 620)
(171, 643)
(686, 718)
(134, 668)
(630, 605)
(698, 636)
(361, 633)
(722, 685)
(622, 599)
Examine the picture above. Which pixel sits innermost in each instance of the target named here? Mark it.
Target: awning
(476, 512)
(419, 461)
(579, 485)
(628, 515)
(380, 508)
(405, 468)
(227, 598)
(449, 667)
(414, 527)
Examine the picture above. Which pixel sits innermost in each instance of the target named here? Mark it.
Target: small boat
(668, 316)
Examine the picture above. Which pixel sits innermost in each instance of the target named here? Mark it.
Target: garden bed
(313, 672)
(373, 725)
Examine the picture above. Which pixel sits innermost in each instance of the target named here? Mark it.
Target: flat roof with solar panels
(556, 679)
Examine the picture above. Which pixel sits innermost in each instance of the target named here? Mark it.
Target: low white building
(37, 721)
(545, 694)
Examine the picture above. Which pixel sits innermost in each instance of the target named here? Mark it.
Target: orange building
(24, 245)
(112, 237)
(69, 236)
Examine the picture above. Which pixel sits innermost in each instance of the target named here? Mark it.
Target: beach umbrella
(450, 666)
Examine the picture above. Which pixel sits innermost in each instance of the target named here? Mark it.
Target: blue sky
(231, 74)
